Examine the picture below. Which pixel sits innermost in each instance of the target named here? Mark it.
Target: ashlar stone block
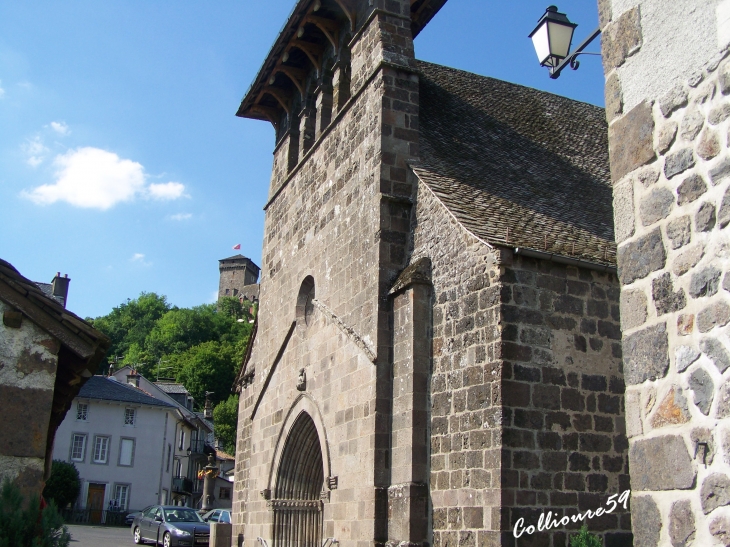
(715, 492)
(656, 205)
(632, 141)
(646, 354)
(681, 523)
(640, 257)
(703, 387)
(661, 463)
(646, 521)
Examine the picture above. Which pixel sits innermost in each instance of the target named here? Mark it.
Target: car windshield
(181, 515)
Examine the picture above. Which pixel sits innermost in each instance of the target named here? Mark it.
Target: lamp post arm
(554, 73)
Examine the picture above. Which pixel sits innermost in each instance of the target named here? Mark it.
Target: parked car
(171, 525)
(130, 517)
(218, 515)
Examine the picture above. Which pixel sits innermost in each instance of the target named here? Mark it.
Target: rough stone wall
(564, 447)
(670, 167)
(526, 389)
(237, 281)
(341, 217)
(28, 362)
(466, 411)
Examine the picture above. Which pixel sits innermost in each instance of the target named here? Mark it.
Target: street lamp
(552, 38)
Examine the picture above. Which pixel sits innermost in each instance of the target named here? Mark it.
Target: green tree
(210, 366)
(130, 323)
(24, 525)
(225, 418)
(64, 484)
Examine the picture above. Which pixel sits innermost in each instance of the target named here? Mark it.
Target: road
(100, 536)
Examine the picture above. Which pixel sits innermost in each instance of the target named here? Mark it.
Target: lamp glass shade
(552, 37)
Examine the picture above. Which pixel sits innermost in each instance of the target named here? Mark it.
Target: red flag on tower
(237, 246)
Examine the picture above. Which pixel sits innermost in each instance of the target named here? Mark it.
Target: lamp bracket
(571, 58)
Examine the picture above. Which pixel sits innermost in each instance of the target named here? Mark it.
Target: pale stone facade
(667, 87)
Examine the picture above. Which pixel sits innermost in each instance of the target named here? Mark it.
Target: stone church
(437, 357)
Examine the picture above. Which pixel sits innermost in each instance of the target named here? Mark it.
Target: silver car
(170, 525)
(218, 515)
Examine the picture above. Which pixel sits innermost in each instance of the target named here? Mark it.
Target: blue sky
(122, 163)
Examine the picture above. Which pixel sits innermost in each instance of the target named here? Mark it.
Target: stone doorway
(299, 480)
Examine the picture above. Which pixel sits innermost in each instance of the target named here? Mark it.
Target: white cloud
(138, 258)
(166, 190)
(94, 178)
(2, 91)
(60, 127)
(181, 216)
(35, 150)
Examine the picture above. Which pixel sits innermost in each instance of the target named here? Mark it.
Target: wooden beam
(346, 6)
(275, 92)
(296, 75)
(328, 27)
(271, 114)
(313, 51)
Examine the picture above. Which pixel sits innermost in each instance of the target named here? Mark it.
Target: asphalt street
(100, 536)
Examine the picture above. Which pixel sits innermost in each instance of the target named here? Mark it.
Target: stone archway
(299, 480)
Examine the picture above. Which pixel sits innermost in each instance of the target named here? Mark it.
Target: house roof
(105, 389)
(172, 388)
(516, 166)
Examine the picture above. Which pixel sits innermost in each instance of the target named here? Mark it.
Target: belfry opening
(299, 481)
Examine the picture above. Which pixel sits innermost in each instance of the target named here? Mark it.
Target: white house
(120, 440)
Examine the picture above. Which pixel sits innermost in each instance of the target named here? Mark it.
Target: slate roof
(102, 388)
(500, 155)
(172, 388)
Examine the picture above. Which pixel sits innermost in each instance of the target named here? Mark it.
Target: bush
(29, 527)
(64, 484)
(585, 539)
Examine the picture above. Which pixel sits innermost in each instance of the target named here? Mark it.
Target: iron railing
(94, 516)
(182, 485)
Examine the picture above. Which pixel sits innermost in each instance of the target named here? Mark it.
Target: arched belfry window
(299, 481)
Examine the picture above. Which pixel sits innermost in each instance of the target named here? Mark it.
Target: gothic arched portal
(299, 480)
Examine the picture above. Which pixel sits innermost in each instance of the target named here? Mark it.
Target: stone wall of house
(28, 362)
(668, 104)
(338, 219)
(527, 390)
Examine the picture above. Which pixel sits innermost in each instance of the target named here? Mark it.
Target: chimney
(60, 288)
(133, 378)
(208, 412)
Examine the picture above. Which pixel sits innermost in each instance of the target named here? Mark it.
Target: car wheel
(138, 536)
(167, 540)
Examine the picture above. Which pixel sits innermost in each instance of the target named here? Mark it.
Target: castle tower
(238, 278)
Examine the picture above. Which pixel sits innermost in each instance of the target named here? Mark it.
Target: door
(95, 502)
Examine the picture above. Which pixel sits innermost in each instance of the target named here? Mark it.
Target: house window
(225, 494)
(169, 451)
(126, 452)
(82, 412)
(182, 440)
(129, 416)
(78, 447)
(228, 291)
(101, 449)
(121, 496)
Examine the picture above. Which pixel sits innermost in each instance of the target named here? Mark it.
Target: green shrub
(585, 539)
(29, 527)
(64, 484)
